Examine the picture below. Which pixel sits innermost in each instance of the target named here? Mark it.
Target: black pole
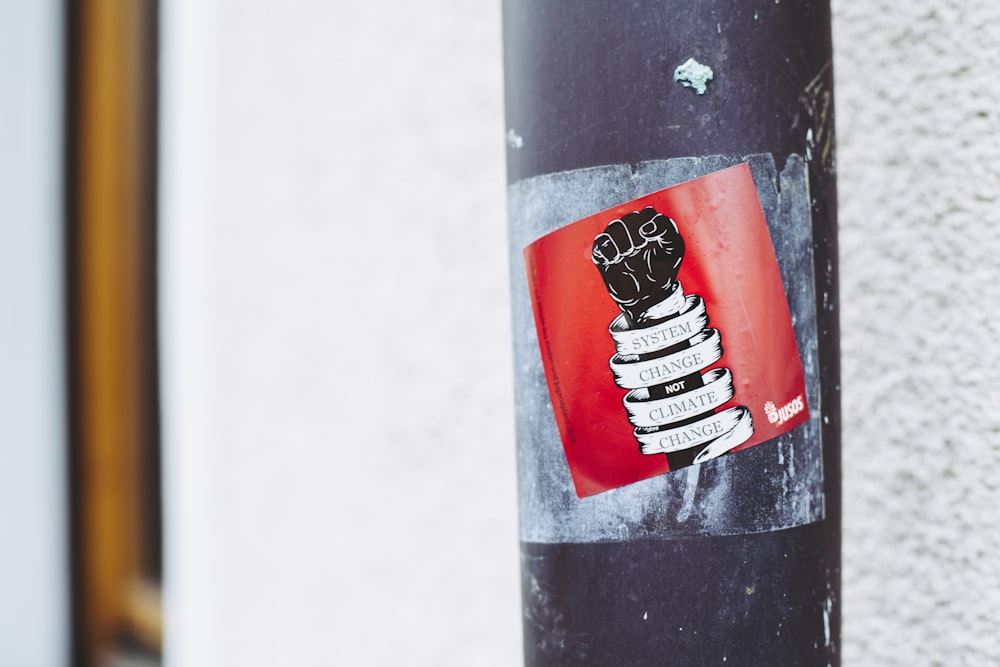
(734, 560)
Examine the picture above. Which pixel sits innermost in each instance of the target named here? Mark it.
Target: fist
(639, 257)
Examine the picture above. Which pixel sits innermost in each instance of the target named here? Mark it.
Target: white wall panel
(338, 416)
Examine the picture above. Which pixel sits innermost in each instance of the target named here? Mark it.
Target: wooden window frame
(111, 122)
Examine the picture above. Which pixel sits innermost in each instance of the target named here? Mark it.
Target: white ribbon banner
(740, 434)
(643, 412)
(705, 350)
(724, 430)
(690, 320)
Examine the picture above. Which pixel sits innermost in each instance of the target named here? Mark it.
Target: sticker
(772, 486)
(665, 333)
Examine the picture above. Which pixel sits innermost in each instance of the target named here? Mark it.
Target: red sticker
(664, 332)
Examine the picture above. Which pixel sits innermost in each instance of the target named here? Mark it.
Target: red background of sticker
(729, 261)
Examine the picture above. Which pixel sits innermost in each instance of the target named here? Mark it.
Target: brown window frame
(111, 122)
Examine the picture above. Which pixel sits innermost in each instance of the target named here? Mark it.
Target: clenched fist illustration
(639, 257)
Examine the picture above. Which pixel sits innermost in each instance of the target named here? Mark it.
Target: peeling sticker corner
(693, 74)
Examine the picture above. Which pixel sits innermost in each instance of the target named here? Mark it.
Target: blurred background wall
(337, 417)
(34, 578)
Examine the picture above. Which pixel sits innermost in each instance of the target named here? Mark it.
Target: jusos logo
(780, 415)
(660, 322)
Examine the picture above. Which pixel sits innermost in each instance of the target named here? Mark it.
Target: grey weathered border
(772, 486)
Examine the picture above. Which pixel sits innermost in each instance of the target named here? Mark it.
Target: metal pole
(672, 208)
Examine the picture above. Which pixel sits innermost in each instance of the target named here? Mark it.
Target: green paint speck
(693, 75)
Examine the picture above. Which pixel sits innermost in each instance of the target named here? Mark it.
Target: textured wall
(919, 168)
(338, 414)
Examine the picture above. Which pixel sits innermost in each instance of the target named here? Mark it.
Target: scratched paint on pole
(670, 339)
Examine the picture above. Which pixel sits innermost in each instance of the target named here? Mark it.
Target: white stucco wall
(919, 176)
(340, 474)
